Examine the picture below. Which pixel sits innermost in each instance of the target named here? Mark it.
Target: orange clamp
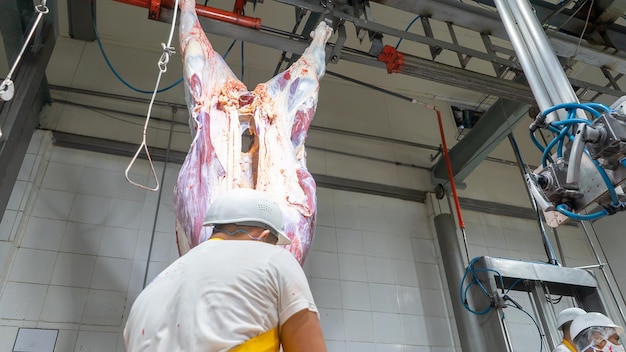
(392, 58)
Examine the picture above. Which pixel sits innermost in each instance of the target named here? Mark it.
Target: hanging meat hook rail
(168, 50)
(6, 88)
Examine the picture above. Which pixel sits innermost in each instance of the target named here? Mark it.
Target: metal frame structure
(506, 82)
(540, 280)
(20, 116)
(564, 26)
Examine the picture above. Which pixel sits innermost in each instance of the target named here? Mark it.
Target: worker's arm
(302, 332)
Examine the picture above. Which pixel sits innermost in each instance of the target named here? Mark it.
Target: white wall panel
(374, 267)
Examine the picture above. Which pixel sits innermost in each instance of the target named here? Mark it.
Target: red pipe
(449, 166)
(204, 11)
(227, 16)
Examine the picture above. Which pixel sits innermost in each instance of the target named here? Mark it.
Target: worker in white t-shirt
(235, 292)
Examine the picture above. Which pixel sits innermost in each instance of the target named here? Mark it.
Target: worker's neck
(567, 337)
(223, 236)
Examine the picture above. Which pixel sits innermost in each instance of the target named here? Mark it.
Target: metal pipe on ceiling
(539, 90)
(547, 56)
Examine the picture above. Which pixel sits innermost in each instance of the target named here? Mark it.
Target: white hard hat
(247, 207)
(585, 321)
(568, 314)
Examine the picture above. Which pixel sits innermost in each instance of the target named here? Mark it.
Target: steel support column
(470, 333)
(493, 127)
(19, 117)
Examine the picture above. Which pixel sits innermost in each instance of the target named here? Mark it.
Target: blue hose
(599, 106)
(614, 199)
(562, 208)
(572, 106)
(546, 152)
(407, 29)
(561, 129)
(572, 121)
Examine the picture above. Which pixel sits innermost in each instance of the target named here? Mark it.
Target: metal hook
(143, 146)
(43, 9)
(6, 90)
(165, 57)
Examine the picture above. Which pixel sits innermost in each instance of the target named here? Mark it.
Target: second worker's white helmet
(247, 207)
(567, 315)
(593, 319)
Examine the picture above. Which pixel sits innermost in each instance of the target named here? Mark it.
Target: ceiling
(455, 52)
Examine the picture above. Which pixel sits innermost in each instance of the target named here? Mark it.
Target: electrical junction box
(464, 119)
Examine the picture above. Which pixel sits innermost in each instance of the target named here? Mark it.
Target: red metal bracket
(392, 58)
(239, 7)
(154, 12)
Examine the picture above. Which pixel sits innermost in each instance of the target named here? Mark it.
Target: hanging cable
(7, 89)
(519, 307)
(524, 171)
(117, 75)
(168, 50)
(470, 277)
(407, 29)
(158, 203)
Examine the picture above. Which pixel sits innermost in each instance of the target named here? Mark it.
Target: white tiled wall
(76, 241)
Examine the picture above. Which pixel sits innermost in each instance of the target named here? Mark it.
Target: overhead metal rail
(426, 64)
(249, 29)
(564, 29)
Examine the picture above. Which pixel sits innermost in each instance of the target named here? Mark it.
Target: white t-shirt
(217, 296)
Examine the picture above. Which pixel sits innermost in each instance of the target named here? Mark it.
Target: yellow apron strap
(266, 342)
(569, 345)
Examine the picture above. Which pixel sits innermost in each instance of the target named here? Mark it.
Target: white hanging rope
(168, 50)
(6, 88)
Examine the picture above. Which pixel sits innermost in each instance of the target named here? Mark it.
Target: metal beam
(611, 11)
(414, 66)
(20, 116)
(469, 329)
(80, 17)
(484, 137)
(419, 67)
(484, 21)
(101, 145)
(11, 28)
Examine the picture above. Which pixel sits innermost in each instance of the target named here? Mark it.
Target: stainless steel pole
(547, 244)
(468, 325)
(535, 82)
(548, 56)
(536, 54)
